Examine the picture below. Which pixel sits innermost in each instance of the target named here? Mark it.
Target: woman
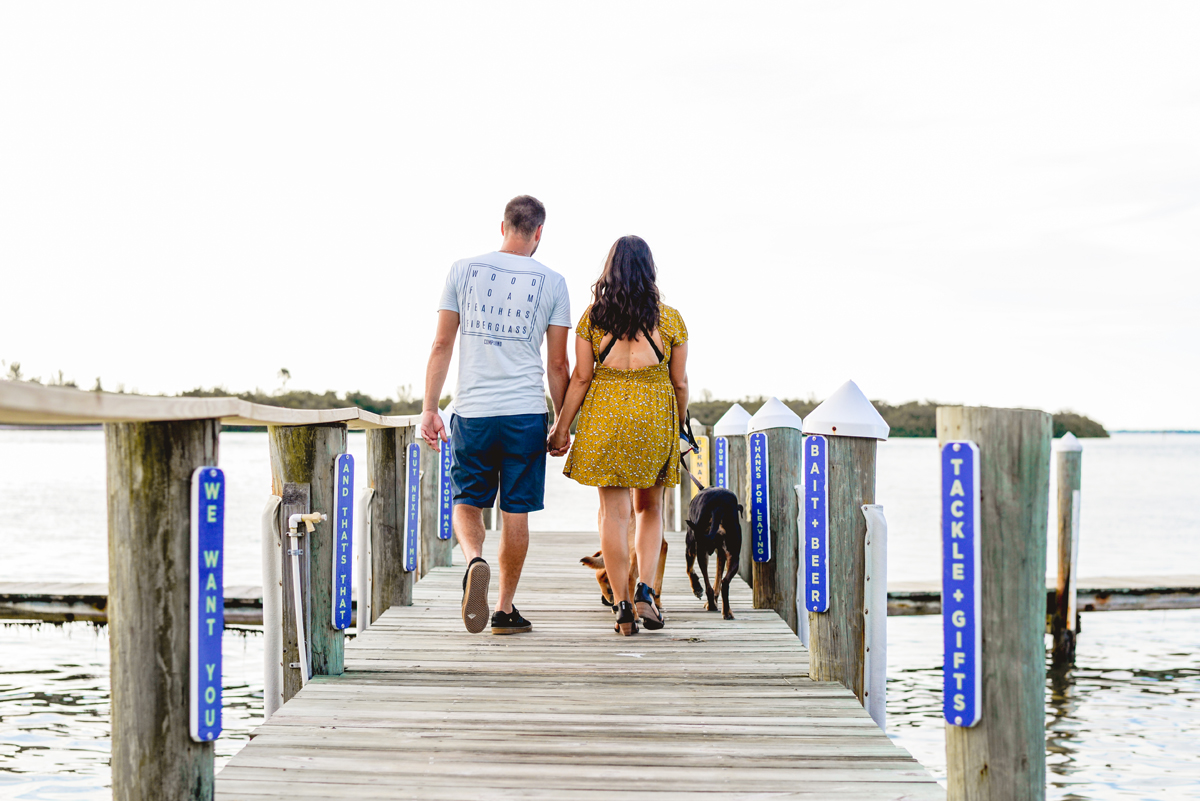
(631, 380)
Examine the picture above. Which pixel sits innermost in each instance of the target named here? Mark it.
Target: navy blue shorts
(507, 452)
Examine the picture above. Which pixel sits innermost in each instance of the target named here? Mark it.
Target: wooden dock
(705, 708)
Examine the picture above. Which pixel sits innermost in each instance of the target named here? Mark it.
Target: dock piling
(729, 471)
(1064, 620)
(1003, 756)
(307, 454)
(838, 477)
(391, 585)
(775, 576)
(149, 468)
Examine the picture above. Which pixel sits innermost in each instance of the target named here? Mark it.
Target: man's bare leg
(468, 527)
(514, 544)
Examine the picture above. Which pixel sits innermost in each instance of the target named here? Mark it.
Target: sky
(991, 205)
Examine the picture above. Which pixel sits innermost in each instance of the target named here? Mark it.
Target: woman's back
(632, 354)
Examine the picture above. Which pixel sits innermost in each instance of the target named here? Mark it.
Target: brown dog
(596, 562)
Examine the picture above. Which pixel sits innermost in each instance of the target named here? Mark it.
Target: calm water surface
(1124, 724)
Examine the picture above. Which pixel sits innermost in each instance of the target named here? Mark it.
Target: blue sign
(412, 517)
(343, 538)
(721, 467)
(445, 495)
(207, 602)
(760, 499)
(962, 683)
(815, 520)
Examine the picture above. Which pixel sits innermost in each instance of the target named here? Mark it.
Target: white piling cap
(1069, 443)
(773, 414)
(847, 413)
(733, 423)
(445, 415)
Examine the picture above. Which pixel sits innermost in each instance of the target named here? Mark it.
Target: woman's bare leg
(614, 526)
(648, 506)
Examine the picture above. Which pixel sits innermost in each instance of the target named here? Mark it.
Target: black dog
(713, 525)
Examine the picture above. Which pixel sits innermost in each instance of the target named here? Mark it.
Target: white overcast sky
(994, 206)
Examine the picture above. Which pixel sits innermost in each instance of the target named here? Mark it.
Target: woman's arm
(679, 376)
(581, 379)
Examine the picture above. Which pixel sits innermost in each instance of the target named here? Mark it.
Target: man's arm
(432, 429)
(558, 370)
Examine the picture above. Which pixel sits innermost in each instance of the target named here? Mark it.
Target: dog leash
(687, 470)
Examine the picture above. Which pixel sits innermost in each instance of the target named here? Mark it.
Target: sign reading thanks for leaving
(760, 499)
(699, 461)
(962, 682)
(721, 463)
(816, 524)
(343, 539)
(412, 506)
(207, 602)
(445, 502)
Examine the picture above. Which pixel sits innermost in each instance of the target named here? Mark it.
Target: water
(1125, 724)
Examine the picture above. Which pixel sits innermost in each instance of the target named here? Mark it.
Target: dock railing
(155, 446)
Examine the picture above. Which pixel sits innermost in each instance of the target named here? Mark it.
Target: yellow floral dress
(628, 430)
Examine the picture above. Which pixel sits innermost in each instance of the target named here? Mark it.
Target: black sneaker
(510, 622)
(475, 595)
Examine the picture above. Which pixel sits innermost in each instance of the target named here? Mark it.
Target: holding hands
(559, 440)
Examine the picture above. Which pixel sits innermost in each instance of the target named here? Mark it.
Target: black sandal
(626, 621)
(647, 610)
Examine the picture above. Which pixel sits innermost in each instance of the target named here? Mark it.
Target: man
(500, 304)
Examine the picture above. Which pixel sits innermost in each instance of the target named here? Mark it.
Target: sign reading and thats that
(343, 538)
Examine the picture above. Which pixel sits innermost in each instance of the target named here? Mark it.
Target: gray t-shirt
(505, 303)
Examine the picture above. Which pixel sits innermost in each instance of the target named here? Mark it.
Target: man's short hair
(524, 213)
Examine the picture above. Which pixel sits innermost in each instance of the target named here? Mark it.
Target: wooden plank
(1004, 755)
(150, 469)
(426, 710)
(25, 403)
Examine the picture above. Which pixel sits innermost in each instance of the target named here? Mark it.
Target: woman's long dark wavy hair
(625, 299)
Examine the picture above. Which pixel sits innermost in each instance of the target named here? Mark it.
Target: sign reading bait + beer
(816, 524)
(343, 541)
(207, 602)
(961, 674)
(760, 499)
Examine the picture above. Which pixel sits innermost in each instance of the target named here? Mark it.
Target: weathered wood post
(1063, 623)
(306, 455)
(150, 468)
(994, 596)
(773, 470)
(838, 479)
(729, 471)
(391, 584)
